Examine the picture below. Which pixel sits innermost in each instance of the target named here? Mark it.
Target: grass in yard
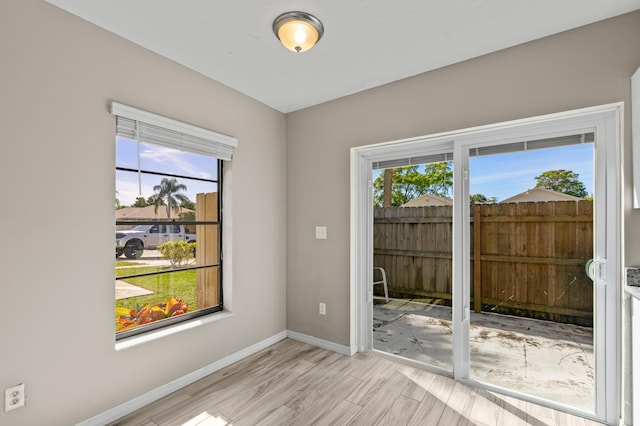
(125, 263)
(179, 284)
(139, 270)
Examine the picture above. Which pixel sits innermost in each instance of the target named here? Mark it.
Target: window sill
(168, 331)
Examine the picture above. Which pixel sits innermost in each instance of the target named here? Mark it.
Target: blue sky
(501, 176)
(505, 175)
(160, 159)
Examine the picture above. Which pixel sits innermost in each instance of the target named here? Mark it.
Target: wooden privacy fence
(527, 258)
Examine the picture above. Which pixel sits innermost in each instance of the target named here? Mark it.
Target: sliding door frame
(361, 254)
(606, 123)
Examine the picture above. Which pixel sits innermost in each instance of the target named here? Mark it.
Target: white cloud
(176, 162)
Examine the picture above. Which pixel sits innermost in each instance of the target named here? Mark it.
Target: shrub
(179, 253)
(129, 318)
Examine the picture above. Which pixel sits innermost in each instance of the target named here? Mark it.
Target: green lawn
(125, 263)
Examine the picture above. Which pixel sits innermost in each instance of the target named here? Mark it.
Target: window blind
(143, 126)
(410, 161)
(489, 150)
(531, 145)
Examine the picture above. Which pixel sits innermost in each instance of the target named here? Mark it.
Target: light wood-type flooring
(293, 383)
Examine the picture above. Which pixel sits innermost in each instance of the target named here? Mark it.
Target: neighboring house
(429, 200)
(540, 194)
(149, 212)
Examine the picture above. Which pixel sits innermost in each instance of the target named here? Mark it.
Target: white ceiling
(367, 43)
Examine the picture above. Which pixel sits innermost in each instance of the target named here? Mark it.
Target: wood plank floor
(293, 383)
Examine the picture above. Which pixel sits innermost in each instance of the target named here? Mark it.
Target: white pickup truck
(132, 242)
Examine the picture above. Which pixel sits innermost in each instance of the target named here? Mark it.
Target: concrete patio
(542, 358)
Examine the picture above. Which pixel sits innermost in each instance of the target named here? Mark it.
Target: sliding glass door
(531, 232)
(510, 285)
(412, 250)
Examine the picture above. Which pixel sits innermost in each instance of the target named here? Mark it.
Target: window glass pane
(162, 267)
(143, 243)
(155, 158)
(172, 161)
(128, 185)
(126, 153)
(412, 261)
(147, 299)
(531, 326)
(167, 236)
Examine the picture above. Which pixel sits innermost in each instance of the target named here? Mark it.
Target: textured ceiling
(366, 43)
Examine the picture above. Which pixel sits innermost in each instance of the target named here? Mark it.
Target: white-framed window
(168, 217)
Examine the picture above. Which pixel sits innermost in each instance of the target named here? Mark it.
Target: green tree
(169, 190)
(560, 180)
(188, 204)
(190, 216)
(140, 202)
(408, 183)
(481, 198)
(154, 200)
(439, 179)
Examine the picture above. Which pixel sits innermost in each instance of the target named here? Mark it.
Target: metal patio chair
(383, 281)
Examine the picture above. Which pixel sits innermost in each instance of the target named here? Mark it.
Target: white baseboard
(145, 399)
(164, 390)
(324, 344)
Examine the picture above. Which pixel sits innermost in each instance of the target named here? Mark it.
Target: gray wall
(58, 74)
(56, 164)
(588, 66)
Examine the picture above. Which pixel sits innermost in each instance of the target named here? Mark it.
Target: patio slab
(542, 358)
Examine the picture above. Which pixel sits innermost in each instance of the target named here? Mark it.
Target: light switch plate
(321, 232)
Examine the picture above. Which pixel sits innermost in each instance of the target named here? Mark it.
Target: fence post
(477, 270)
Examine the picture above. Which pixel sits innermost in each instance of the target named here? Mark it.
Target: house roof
(148, 212)
(429, 200)
(365, 44)
(540, 194)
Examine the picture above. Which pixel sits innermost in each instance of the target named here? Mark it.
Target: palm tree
(168, 191)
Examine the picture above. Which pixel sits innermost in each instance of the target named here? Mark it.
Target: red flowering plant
(128, 318)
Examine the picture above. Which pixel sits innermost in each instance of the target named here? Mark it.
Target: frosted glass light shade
(298, 31)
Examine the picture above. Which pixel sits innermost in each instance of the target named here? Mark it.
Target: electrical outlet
(14, 397)
(323, 309)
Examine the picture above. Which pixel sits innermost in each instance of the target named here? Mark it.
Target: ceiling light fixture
(298, 31)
